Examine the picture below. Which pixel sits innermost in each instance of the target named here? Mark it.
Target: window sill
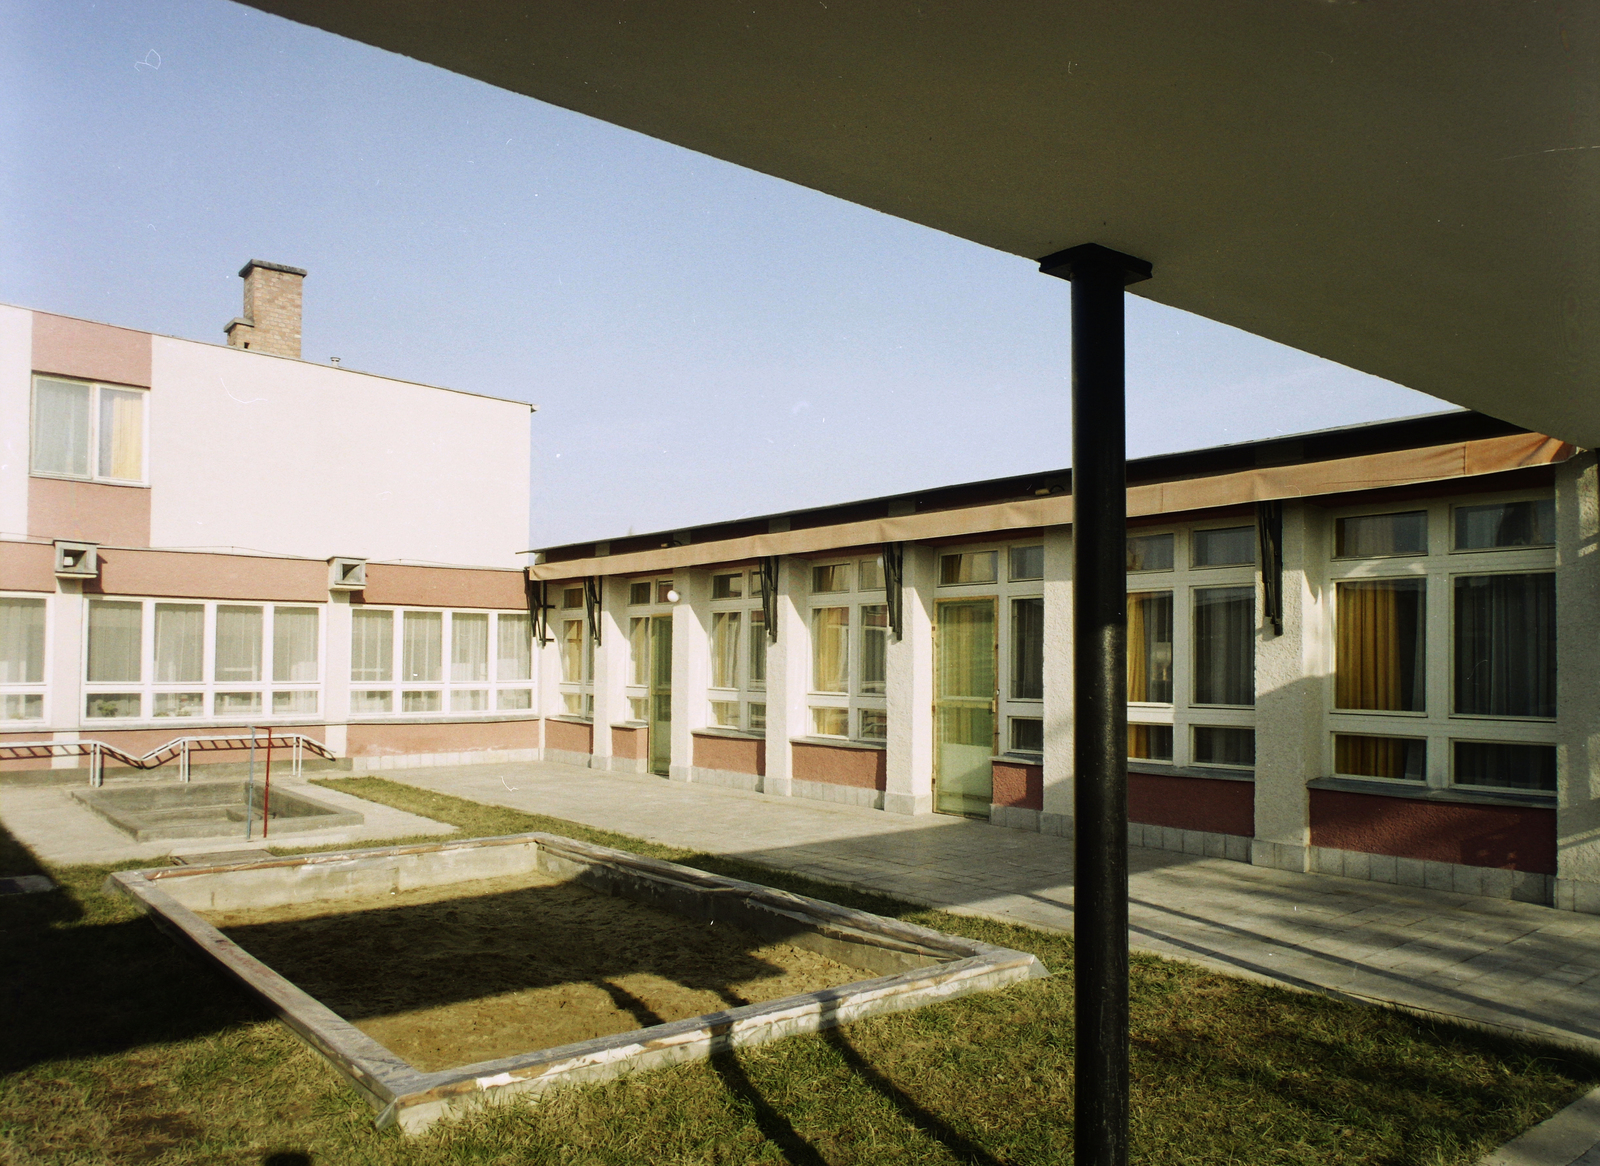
(570, 719)
(1532, 799)
(90, 481)
(724, 731)
(839, 743)
(1161, 769)
(1018, 758)
(440, 718)
(630, 724)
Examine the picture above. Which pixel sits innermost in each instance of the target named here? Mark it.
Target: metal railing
(179, 749)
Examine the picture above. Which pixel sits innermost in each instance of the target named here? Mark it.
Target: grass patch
(119, 1048)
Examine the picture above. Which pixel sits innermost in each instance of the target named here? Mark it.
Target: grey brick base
(1201, 843)
(1489, 882)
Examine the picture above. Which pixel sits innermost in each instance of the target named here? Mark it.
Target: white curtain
(180, 643)
(875, 646)
(60, 427)
(758, 649)
(725, 649)
(422, 647)
(238, 645)
(115, 642)
(572, 654)
(514, 650)
(121, 434)
(469, 648)
(372, 647)
(21, 641)
(294, 645)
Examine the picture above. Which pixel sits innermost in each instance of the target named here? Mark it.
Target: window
(1380, 653)
(572, 599)
(22, 622)
(1224, 645)
(1191, 644)
(1224, 745)
(1027, 648)
(86, 430)
(638, 594)
(974, 567)
(725, 648)
(646, 651)
(1027, 735)
(738, 648)
(1151, 552)
(1445, 660)
(1027, 563)
(1231, 547)
(1373, 536)
(849, 651)
(193, 660)
(1505, 525)
(727, 586)
(445, 663)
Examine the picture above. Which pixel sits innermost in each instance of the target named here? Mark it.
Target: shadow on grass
(773, 1125)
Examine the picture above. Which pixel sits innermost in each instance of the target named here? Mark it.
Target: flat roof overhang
(1409, 188)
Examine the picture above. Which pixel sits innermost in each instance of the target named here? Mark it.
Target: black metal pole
(1100, 697)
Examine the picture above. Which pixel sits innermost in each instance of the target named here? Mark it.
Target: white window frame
(1184, 714)
(208, 686)
(397, 687)
(1439, 725)
(1003, 590)
(853, 700)
(94, 474)
(659, 585)
(742, 692)
(41, 688)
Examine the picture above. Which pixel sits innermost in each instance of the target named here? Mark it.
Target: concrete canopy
(1403, 186)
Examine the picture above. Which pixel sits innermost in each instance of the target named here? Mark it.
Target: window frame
(447, 688)
(95, 388)
(21, 690)
(1439, 726)
(852, 701)
(744, 694)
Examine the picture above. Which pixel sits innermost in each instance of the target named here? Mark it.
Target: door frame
(994, 698)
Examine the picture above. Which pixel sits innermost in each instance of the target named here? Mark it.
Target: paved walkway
(1494, 962)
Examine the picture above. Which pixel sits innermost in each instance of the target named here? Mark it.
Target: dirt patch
(447, 976)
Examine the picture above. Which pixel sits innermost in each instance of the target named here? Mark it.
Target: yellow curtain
(121, 434)
(1138, 655)
(1367, 669)
(830, 648)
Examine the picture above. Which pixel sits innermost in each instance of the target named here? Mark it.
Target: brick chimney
(271, 320)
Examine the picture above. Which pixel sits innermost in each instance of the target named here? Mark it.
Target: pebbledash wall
(215, 485)
(1455, 526)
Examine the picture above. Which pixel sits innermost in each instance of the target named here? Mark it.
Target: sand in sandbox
(453, 975)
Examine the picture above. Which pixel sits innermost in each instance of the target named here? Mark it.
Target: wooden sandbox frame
(916, 965)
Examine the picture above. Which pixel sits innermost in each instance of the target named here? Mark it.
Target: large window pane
(1150, 647)
(60, 427)
(1505, 646)
(180, 643)
(1505, 524)
(572, 651)
(121, 434)
(294, 645)
(874, 648)
(758, 649)
(1224, 645)
(1506, 764)
(1150, 552)
(1216, 745)
(870, 574)
(513, 647)
(639, 648)
(1371, 536)
(1027, 563)
(1027, 649)
(115, 644)
(975, 567)
(1150, 742)
(421, 649)
(833, 577)
(371, 648)
(830, 649)
(469, 647)
(238, 644)
(725, 649)
(21, 641)
(1380, 652)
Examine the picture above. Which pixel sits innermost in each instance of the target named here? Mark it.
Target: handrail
(178, 747)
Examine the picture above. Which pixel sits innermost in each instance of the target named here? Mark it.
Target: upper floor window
(89, 431)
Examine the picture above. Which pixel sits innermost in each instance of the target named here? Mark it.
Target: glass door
(964, 706)
(660, 694)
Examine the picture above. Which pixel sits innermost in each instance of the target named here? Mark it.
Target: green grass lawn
(115, 1047)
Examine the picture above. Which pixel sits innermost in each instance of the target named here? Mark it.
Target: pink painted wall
(1509, 837)
(572, 736)
(733, 754)
(204, 576)
(1020, 786)
(457, 737)
(28, 566)
(862, 768)
(443, 587)
(1193, 803)
(630, 743)
(94, 512)
(89, 351)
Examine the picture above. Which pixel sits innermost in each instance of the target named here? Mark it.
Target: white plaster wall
(1058, 715)
(285, 456)
(16, 369)
(788, 676)
(1291, 693)
(1578, 683)
(612, 667)
(909, 749)
(691, 666)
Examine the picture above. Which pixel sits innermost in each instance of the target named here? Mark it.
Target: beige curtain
(121, 434)
(572, 637)
(725, 649)
(830, 649)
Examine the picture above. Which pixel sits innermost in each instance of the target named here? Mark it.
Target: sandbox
(440, 975)
(211, 809)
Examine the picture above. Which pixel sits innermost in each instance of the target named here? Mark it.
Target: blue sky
(703, 341)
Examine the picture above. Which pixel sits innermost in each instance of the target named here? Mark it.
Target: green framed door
(660, 694)
(965, 701)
